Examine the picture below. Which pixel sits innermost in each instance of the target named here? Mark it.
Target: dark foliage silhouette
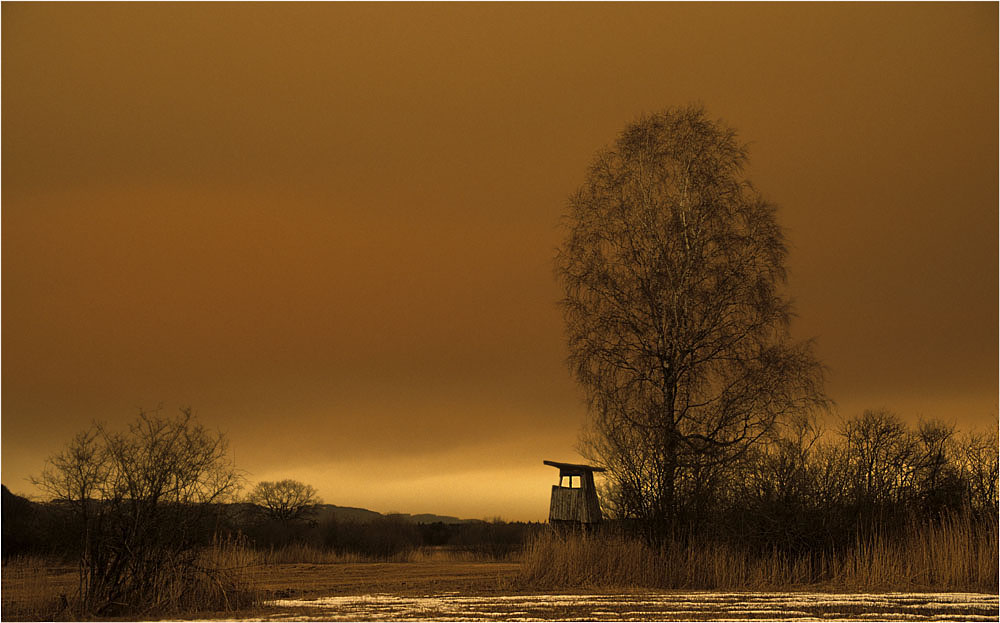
(285, 500)
(676, 324)
(140, 503)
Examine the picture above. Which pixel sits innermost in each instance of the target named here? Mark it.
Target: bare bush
(143, 503)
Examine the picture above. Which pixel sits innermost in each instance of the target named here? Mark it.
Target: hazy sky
(329, 228)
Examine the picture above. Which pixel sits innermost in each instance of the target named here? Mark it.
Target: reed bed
(34, 589)
(222, 580)
(954, 554)
(225, 578)
(298, 553)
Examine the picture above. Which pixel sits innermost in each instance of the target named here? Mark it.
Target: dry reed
(225, 580)
(34, 590)
(221, 580)
(952, 554)
(298, 553)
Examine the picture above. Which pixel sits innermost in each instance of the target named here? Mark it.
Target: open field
(403, 579)
(452, 590)
(447, 591)
(32, 588)
(484, 591)
(697, 606)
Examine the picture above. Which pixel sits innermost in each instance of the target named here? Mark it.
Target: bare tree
(285, 500)
(141, 502)
(882, 458)
(677, 329)
(939, 480)
(979, 463)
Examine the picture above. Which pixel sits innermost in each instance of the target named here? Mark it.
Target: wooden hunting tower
(576, 502)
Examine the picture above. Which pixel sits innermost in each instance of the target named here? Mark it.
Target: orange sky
(329, 228)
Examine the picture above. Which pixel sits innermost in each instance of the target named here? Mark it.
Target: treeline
(152, 516)
(388, 537)
(156, 522)
(52, 529)
(875, 505)
(802, 490)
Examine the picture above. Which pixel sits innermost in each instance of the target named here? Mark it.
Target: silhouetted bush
(141, 505)
(384, 539)
(496, 539)
(803, 491)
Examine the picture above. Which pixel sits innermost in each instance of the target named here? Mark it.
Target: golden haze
(329, 228)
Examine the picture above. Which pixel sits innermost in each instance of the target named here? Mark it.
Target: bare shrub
(143, 504)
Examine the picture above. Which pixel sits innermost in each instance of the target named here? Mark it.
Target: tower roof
(573, 468)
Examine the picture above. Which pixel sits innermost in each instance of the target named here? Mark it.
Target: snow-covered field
(708, 606)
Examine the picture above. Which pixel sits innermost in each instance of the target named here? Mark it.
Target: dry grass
(454, 554)
(308, 554)
(409, 578)
(302, 554)
(232, 577)
(35, 589)
(223, 580)
(953, 554)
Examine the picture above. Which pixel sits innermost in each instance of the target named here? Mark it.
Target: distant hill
(428, 518)
(350, 514)
(15, 508)
(21, 528)
(345, 514)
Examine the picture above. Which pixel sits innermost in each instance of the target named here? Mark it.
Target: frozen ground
(707, 606)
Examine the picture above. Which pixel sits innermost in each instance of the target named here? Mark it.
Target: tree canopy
(285, 500)
(677, 327)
